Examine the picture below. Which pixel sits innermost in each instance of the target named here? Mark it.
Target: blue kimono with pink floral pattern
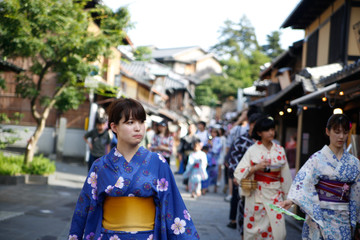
(146, 175)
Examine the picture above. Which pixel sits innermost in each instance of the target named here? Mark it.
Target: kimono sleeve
(83, 205)
(303, 192)
(175, 220)
(355, 202)
(242, 169)
(286, 178)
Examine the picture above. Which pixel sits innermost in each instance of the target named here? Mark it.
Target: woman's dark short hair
(127, 108)
(262, 124)
(337, 120)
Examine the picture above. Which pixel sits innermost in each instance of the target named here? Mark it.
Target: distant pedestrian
(327, 187)
(100, 140)
(196, 169)
(130, 193)
(163, 141)
(214, 145)
(265, 162)
(186, 146)
(202, 133)
(221, 158)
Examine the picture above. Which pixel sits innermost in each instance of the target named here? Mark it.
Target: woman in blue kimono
(130, 193)
(327, 187)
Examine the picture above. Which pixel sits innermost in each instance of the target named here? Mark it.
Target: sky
(173, 23)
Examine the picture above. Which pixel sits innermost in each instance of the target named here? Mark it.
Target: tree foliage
(273, 48)
(143, 53)
(54, 36)
(241, 58)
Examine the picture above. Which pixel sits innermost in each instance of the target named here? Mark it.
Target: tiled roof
(345, 72)
(169, 53)
(311, 77)
(143, 71)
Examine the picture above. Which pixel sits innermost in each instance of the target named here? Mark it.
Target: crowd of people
(241, 156)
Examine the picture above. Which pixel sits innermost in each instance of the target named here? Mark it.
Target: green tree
(142, 53)
(237, 40)
(241, 58)
(54, 35)
(273, 48)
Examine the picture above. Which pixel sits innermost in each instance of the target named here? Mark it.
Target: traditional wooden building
(331, 38)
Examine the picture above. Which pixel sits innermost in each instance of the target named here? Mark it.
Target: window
(117, 80)
(337, 36)
(312, 47)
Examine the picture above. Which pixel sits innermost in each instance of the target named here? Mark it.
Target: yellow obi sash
(130, 214)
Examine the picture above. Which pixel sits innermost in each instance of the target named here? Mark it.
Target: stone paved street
(43, 212)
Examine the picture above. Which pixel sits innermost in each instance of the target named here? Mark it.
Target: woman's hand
(263, 164)
(286, 204)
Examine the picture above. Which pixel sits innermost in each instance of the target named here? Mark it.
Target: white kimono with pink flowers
(260, 221)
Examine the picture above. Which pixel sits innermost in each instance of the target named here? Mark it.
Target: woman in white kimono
(265, 162)
(327, 187)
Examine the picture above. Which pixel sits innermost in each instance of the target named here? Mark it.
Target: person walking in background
(99, 143)
(241, 145)
(266, 163)
(163, 141)
(149, 135)
(220, 162)
(202, 133)
(196, 169)
(130, 193)
(290, 149)
(186, 146)
(215, 147)
(327, 187)
(239, 128)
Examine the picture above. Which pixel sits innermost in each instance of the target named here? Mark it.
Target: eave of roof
(348, 73)
(6, 66)
(305, 13)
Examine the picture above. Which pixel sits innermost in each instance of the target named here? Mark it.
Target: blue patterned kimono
(146, 175)
(326, 219)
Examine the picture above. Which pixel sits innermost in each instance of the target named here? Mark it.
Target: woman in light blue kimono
(196, 169)
(327, 187)
(130, 193)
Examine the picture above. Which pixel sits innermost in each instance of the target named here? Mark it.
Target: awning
(314, 94)
(291, 91)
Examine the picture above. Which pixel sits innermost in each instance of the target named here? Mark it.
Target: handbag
(248, 184)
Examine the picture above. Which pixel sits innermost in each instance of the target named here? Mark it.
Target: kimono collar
(116, 152)
(330, 154)
(259, 143)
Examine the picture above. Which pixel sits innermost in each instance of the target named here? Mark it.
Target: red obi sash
(267, 177)
(339, 191)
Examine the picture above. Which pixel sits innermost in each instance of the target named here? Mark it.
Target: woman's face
(337, 136)
(268, 135)
(162, 128)
(130, 132)
(214, 133)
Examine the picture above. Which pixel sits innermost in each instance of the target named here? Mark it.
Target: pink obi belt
(333, 191)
